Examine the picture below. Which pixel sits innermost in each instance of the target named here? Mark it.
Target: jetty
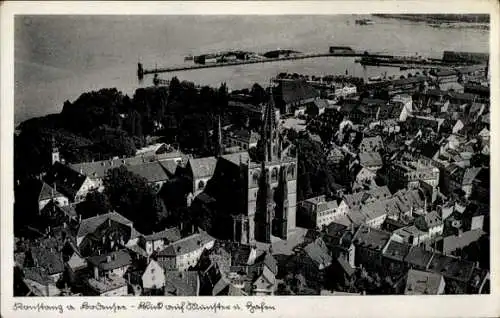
(367, 58)
(141, 71)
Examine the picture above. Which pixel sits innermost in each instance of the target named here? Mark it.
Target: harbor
(365, 58)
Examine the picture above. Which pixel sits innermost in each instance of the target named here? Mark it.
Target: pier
(141, 71)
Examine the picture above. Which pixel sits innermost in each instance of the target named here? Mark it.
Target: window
(201, 185)
(274, 175)
(291, 171)
(152, 270)
(255, 177)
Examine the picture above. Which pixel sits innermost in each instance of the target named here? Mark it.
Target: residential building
(293, 94)
(407, 174)
(243, 138)
(313, 262)
(370, 243)
(48, 260)
(39, 283)
(317, 212)
(153, 172)
(72, 184)
(47, 194)
(370, 160)
(371, 144)
(103, 233)
(457, 273)
(96, 171)
(265, 270)
(453, 244)
(157, 241)
(423, 283)
(376, 212)
(420, 122)
(355, 201)
(459, 178)
(431, 223)
(107, 265)
(153, 277)
(185, 253)
(418, 258)
(111, 286)
(393, 256)
(182, 283)
(411, 235)
(407, 108)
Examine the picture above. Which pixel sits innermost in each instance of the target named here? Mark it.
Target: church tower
(265, 208)
(55, 152)
(219, 147)
(280, 226)
(269, 133)
(272, 184)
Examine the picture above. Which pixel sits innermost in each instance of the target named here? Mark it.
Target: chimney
(79, 218)
(96, 273)
(108, 259)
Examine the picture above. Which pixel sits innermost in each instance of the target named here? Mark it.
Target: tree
(95, 203)
(111, 142)
(258, 94)
(131, 196)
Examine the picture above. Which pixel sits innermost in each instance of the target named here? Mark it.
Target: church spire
(219, 147)
(269, 131)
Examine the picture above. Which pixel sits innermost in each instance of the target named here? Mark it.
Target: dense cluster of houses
(410, 208)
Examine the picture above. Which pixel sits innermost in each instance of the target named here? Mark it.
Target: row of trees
(106, 123)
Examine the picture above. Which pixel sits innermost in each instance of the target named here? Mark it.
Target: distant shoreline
(452, 20)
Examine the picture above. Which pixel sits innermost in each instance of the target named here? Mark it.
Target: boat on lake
(365, 22)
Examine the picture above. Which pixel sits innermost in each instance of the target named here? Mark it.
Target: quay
(450, 59)
(142, 71)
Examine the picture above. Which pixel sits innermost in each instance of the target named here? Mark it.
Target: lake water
(59, 57)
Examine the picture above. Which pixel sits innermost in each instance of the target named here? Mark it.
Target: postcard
(333, 158)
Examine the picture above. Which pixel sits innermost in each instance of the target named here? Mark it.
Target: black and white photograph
(251, 155)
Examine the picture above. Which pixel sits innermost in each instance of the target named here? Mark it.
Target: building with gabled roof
(451, 244)
(113, 263)
(292, 94)
(243, 138)
(181, 283)
(72, 184)
(153, 172)
(370, 160)
(157, 241)
(111, 285)
(371, 144)
(424, 283)
(90, 225)
(48, 259)
(200, 171)
(418, 258)
(47, 194)
(456, 272)
(185, 253)
(39, 282)
(370, 243)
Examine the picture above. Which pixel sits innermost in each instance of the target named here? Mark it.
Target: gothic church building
(256, 201)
